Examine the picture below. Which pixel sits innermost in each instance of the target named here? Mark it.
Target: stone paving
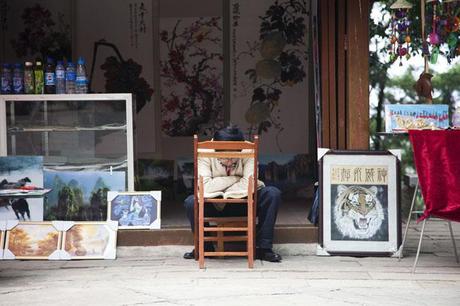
(159, 276)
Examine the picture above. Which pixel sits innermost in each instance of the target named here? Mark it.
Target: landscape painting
(89, 240)
(21, 172)
(156, 174)
(290, 173)
(184, 178)
(32, 240)
(80, 195)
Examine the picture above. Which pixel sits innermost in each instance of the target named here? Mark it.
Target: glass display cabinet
(72, 132)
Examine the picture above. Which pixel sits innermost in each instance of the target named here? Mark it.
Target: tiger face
(358, 214)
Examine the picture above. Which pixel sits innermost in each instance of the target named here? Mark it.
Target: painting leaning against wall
(16, 171)
(88, 240)
(191, 76)
(80, 195)
(33, 240)
(269, 62)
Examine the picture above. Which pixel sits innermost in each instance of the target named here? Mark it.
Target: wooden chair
(245, 224)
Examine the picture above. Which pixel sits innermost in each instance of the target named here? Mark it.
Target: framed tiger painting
(360, 202)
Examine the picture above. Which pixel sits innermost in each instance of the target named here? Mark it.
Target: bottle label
(38, 82)
(17, 85)
(60, 74)
(81, 80)
(28, 82)
(6, 86)
(70, 76)
(49, 79)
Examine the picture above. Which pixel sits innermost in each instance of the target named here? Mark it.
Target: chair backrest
(226, 149)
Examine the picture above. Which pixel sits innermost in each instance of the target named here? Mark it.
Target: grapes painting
(279, 59)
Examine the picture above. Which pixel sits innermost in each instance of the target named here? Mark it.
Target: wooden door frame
(344, 67)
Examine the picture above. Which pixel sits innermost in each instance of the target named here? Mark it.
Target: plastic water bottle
(29, 84)
(50, 77)
(60, 78)
(81, 85)
(18, 79)
(6, 79)
(38, 75)
(70, 77)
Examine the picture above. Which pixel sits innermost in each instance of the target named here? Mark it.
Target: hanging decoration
(400, 31)
(451, 23)
(434, 38)
(440, 30)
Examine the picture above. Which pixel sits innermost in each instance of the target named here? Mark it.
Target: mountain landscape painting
(80, 195)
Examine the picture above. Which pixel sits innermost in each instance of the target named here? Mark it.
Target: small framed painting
(360, 202)
(135, 210)
(404, 117)
(32, 240)
(90, 240)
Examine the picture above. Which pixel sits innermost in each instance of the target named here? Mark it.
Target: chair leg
(201, 238)
(408, 222)
(419, 246)
(250, 225)
(201, 224)
(220, 242)
(453, 240)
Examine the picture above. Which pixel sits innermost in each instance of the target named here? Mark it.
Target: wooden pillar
(344, 54)
(358, 74)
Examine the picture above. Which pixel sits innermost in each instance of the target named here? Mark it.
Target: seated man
(230, 175)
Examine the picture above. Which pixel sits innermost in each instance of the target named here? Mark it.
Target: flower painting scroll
(191, 60)
(269, 64)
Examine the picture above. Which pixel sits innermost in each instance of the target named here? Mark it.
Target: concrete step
(183, 236)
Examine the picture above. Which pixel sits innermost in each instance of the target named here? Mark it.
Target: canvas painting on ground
(17, 171)
(32, 240)
(91, 240)
(80, 195)
(135, 210)
(360, 202)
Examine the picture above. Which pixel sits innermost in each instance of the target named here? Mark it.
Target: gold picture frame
(32, 240)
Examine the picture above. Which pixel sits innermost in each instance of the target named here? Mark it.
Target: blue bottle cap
(81, 61)
(6, 65)
(59, 62)
(49, 60)
(70, 64)
(17, 65)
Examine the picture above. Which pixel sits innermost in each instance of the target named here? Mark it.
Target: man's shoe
(189, 255)
(268, 255)
(208, 247)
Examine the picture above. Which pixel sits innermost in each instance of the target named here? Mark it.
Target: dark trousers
(268, 201)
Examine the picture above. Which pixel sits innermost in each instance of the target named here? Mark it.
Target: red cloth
(437, 160)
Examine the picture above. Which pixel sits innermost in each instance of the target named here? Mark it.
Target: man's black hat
(229, 133)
